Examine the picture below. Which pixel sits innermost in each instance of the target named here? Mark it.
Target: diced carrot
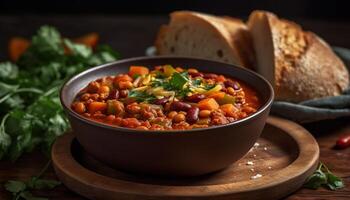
(217, 95)
(229, 109)
(17, 46)
(119, 78)
(208, 104)
(138, 70)
(97, 106)
(89, 40)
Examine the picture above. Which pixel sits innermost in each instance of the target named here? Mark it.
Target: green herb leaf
(178, 80)
(323, 177)
(29, 196)
(334, 182)
(141, 96)
(6, 89)
(316, 180)
(15, 186)
(39, 184)
(8, 71)
(5, 139)
(103, 54)
(78, 49)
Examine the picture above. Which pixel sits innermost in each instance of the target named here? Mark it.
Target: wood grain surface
(131, 35)
(285, 155)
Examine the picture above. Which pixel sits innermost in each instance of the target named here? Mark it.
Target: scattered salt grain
(265, 148)
(256, 176)
(250, 163)
(256, 144)
(269, 167)
(254, 155)
(252, 170)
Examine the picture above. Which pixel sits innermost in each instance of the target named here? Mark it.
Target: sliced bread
(299, 64)
(200, 35)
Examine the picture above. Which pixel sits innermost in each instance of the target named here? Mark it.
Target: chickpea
(204, 121)
(133, 108)
(231, 91)
(104, 89)
(142, 128)
(93, 87)
(172, 114)
(183, 112)
(204, 113)
(110, 118)
(179, 118)
(99, 115)
(94, 96)
(191, 70)
(85, 97)
(125, 85)
(87, 115)
(179, 69)
(79, 107)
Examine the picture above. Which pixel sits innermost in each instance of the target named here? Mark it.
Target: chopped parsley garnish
(141, 96)
(178, 80)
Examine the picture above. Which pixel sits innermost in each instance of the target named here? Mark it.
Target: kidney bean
(161, 101)
(210, 76)
(114, 94)
(192, 115)
(343, 142)
(195, 98)
(195, 74)
(232, 84)
(178, 106)
(123, 93)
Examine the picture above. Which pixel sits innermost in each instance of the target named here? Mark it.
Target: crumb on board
(256, 144)
(250, 163)
(252, 169)
(256, 176)
(265, 148)
(269, 167)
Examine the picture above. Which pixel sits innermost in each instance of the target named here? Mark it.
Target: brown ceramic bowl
(174, 153)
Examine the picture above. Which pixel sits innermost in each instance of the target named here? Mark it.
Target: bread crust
(232, 31)
(305, 65)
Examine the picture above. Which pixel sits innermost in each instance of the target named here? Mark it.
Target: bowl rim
(123, 129)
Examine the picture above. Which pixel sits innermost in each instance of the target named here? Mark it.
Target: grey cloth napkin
(318, 109)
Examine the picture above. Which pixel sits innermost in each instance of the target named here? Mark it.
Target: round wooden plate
(285, 155)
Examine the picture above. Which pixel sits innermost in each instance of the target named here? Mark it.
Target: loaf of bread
(299, 64)
(195, 34)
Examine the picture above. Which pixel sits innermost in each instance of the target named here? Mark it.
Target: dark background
(323, 9)
(130, 26)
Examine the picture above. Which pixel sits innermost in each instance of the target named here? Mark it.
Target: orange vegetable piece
(221, 78)
(208, 104)
(138, 70)
(119, 78)
(229, 109)
(89, 40)
(97, 106)
(16, 47)
(217, 95)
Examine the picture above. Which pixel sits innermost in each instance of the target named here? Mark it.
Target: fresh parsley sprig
(22, 189)
(31, 115)
(323, 177)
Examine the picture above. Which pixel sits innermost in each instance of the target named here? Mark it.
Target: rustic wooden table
(130, 35)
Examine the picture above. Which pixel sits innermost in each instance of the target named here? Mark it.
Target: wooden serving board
(286, 155)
